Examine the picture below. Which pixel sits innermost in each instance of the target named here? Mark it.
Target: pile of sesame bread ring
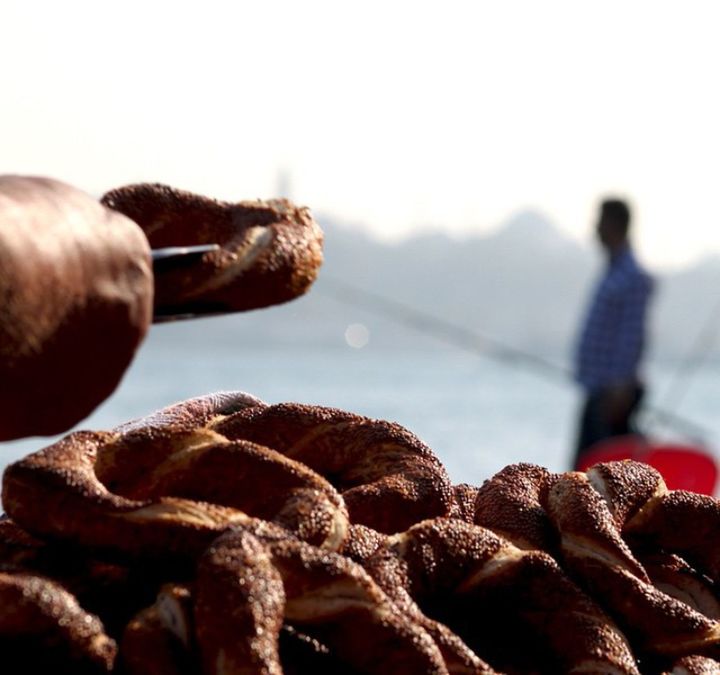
(228, 535)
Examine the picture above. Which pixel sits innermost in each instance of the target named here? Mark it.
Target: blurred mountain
(524, 285)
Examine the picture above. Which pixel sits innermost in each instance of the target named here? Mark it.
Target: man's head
(613, 224)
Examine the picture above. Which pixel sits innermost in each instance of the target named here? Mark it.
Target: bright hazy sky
(395, 115)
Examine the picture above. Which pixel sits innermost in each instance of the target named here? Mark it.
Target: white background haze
(396, 115)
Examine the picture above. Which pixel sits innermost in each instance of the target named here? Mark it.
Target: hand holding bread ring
(78, 291)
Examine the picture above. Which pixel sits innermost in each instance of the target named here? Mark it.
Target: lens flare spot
(357, 335)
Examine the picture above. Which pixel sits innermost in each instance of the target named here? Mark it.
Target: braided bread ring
(455, 568)
(672, 575)
(695, 665)
(239, 607)
(390, 570)
(245, 587)
(586, 527)
(55, 493)
(204, 466)
(660, 624)
(682, 522)
(155, 437)
(196, 490)
(387, 476)
(626, 486)
(270, 250)
(112, 592)
(511, 503)
(43, 626)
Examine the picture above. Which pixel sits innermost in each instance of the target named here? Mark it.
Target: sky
(395, 116)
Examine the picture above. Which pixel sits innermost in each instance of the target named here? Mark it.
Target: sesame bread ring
(387, 476)
(644, 509)
(205, 484)
(626, 486)
(246, 588)
(656, 519)
(55, 494)
(674, 576)
(270, 251)
(111, 591)
(694, 665)
(42, 626)
(239, 608)
(204, 466)
(512, 504)
(140, 445)
(594, 553)
(682, 522)
(490, 592)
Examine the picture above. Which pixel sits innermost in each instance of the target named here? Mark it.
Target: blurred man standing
(612, 337)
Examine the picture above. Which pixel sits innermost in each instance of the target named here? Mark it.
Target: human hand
(75, 301)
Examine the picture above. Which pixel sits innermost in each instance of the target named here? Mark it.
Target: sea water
(477, 414)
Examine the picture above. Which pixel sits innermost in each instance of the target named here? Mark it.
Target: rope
(696, 356)
(480, 344)
(448, 332)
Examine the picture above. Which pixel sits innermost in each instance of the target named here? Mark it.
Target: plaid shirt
(613, 334)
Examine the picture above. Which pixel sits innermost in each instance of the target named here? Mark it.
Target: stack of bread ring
(227, 535)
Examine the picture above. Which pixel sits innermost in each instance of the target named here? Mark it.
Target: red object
(684, 467)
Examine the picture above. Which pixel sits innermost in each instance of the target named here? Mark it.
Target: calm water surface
(478, 415)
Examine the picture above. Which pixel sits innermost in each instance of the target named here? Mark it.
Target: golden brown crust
(675, 577)
(395, 567)
(448, 562)
(239, 607)
(174, 508)
(246, 585)
(626, 486)
(270, 250)
(511, 503)
(464, 497)
(695, 665)
(682, 522)
(140, 445)
(599, 558)
(361, 543)
(439, 595)
(586, 526)
(204, 466)
(73, 275)
(55, 494)
(43, 624)
(387, 476)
